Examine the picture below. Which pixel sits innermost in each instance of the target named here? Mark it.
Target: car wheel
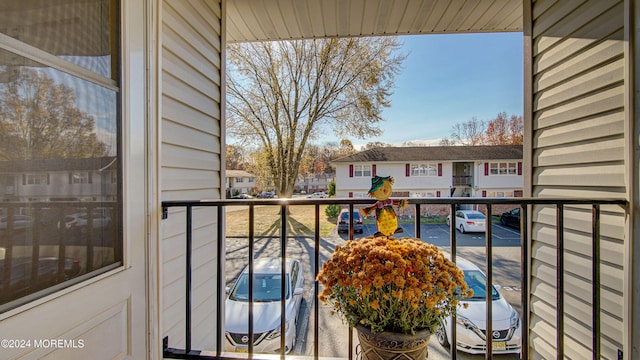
(503, 221)
(441, 335)
(461, 228)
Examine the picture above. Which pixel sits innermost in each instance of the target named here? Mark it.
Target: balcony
(316, 248)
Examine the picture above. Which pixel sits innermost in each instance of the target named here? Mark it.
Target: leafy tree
(39, 120)
(502, 130)
(282, 94)
(235, 157)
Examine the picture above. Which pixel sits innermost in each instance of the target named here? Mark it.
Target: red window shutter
(520, 168)
(484, 193)
(439, 169)
(486, 169)
(407, 170)
(351, 170)
(350, 194)
(438, 193)
(373, 170)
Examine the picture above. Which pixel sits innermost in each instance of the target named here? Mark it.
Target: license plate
(499, 345)
(242, 349)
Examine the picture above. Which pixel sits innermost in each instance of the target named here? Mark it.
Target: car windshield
(478, 283)
(266, 288)
(475, 216)
(345, 216)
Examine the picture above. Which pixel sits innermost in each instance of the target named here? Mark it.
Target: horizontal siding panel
(602, 52)
(598, 78)
(177, 18)
(606, 125)
(576, 33)
(190, 138)
(542, 289)
(182, 113)
(611, 175)
(604, 151)
(540, 7)
(182, 92)
(539, 341)
(584, 193)
(611, 225)
(180, 157)
(193, 179)
(181, 69)
(201, 19)
(557, 11)
(181, 194)
(589, 105)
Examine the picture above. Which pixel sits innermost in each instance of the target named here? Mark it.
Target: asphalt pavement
(333, 335)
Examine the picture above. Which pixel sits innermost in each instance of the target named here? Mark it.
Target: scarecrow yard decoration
(386, 217)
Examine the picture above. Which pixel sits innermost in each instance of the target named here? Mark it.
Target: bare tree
(467, 133)
(39, 120)
(281, 95)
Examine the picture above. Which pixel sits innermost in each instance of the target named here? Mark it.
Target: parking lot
(333, 334)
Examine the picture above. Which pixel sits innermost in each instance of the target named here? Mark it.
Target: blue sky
(448, 79)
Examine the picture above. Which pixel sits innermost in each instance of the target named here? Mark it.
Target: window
(503, 168)
(362, 170)
(36, 179)
(500, 194)
(239, 180)
(66, 58)
(80, 177)
(424, 169)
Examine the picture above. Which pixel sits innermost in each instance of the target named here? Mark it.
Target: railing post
(251, 240)
(595, 233)
(220, 280)
(489, 284)
(560, 280)
(453, 348)
(189, 247)
(283, 273)
(316, 284)
(417, 222)
(524, 278)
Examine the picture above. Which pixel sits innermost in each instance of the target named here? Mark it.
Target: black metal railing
(488, 204)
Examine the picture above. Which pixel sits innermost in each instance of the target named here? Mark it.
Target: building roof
(436, 153)
(238, 174)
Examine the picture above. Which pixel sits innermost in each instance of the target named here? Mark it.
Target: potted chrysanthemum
(398, 287)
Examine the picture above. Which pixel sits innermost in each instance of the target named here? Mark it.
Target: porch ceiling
(258, 20)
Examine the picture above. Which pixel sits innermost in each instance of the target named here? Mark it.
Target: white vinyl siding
(191, 142)
(578, 150)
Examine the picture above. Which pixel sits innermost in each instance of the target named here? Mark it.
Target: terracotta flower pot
(392, 346)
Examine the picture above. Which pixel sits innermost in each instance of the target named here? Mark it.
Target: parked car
(471, 318)
(19, 222)
(267, 285)
(48, 273)
(343, 222)
(267, 195)
(78, 220)
(469, 221)
(242, 196)
(318, 195)
(511, 218)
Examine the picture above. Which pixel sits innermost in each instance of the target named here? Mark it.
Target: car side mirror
(498, 287)
(298, 291)
(227, 290)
